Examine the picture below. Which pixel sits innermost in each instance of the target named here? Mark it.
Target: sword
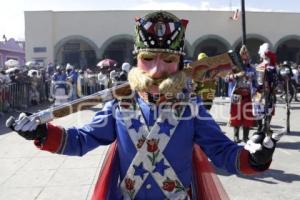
(217, 65)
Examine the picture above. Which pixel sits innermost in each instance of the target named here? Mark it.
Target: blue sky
(12, 11)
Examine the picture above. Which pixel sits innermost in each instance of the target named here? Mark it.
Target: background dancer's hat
(264, 52)
(201, 56)
(160, 31)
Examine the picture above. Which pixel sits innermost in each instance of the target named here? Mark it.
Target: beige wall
(48, 28)
(39, 33)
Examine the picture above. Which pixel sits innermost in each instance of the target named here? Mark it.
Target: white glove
(28, 127)
(25, 123)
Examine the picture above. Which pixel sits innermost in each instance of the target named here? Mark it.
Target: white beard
(140, 81)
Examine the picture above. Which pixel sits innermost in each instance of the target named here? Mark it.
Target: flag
(236, 15)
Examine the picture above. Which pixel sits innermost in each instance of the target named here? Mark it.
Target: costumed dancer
(206, 89)
(155, 133)
(241, 103)
(267, 79)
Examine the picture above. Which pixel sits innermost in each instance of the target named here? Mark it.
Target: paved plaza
(29, 174)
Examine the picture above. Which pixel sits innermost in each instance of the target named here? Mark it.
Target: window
(39, 49)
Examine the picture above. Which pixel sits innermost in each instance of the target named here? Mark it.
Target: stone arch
(288, 48)
(76, 50)
(253, 43)
(119, 48)
(211, 45)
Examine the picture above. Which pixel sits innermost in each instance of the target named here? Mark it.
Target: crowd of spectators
(21, 87)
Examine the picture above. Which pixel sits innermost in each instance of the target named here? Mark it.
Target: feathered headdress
(264, 52)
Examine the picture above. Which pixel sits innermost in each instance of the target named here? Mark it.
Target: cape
(206, 185)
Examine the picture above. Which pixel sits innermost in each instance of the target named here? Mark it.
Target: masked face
(157, 73)
(158, 65)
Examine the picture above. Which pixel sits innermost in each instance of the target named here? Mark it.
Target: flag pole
(243, 22)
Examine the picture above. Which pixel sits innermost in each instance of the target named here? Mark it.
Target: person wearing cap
(241, 98)
(206, 89)
(156, 132)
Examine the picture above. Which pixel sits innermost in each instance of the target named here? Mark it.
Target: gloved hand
(29, 128)
(261, 148)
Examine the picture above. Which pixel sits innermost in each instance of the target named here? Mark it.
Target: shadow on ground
(277, 175)
(294, 133)
(276, 126)
(289, 145)
(295, 108)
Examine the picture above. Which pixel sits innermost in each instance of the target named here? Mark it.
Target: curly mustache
(172, 84)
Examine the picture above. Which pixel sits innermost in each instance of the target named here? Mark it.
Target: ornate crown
(160, 32)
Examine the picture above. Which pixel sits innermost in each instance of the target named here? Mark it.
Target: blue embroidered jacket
(106, 127)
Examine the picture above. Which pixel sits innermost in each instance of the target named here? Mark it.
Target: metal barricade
(4, 106)
(14, 96)
(87, 89)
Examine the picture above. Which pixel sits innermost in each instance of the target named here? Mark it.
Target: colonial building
(11, 49)
(84, 37)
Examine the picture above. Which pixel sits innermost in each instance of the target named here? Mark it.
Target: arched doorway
(120, 50)
(76, 50)
(211, 45)
(288, 48)
(253, 44)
